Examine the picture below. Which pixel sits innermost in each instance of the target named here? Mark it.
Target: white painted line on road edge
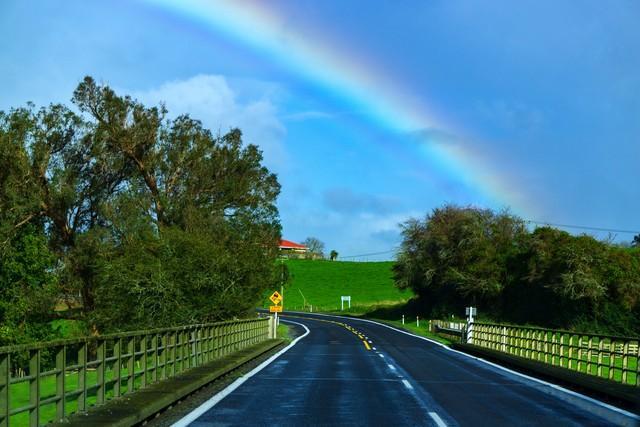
(196, 413)
(370, 342)
(373, 348)
(381, 355)
(539, 381)
(393, 368)
(437, 419)
(407, 385)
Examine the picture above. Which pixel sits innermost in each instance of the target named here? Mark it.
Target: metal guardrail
(611, 357)
(62, 377)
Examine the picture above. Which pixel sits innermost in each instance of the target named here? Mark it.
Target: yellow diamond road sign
(276, 298)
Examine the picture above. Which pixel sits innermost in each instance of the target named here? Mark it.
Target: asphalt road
(367, 374)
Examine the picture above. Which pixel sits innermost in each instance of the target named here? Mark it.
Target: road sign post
(470, 312)
(276, 298)
(346, 298)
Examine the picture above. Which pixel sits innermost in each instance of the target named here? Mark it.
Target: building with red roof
(289, 249)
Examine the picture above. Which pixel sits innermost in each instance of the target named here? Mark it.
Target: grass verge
(321, 283)
(282, 331)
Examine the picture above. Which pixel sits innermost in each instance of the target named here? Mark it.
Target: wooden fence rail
(615, 358)
(47, 381)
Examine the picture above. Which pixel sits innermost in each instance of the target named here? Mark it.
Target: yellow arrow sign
(276, 298)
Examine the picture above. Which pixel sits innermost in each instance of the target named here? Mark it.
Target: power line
(370, 254)
(582, 227)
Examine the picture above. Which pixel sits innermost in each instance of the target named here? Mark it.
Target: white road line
(437, 419)
(373, 348)
(381, 355)
(407, 385)
(534, 379)
(370, 342)
(196, 413)
(393, 368)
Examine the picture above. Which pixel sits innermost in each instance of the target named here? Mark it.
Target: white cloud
(214, 101)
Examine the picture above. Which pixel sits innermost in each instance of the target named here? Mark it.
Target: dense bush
(460, 256)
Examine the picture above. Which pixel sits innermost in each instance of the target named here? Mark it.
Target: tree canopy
(460, 256)
(140, 219)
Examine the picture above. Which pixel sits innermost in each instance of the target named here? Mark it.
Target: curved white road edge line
(196, 413)
(554, 386)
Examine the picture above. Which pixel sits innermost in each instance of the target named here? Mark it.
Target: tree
(27, 287)
(636, 241)
(124, 196)
(333, 255)
(315, 247)
(457, 256)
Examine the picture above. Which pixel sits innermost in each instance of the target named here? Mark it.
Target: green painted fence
(611, 357)
(44, 382)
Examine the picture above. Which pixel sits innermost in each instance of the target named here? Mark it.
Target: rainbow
(358, 84)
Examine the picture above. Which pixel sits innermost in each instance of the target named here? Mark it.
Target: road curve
(350, 372)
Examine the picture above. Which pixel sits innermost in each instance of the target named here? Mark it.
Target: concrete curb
(627, 394)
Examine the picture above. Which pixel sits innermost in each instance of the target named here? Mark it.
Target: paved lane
(328, 378)
(335, 376)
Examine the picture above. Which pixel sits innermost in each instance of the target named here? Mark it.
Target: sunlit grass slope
(321, 283)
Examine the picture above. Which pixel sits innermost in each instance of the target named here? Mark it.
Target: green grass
(282, 331)
(20, 394)
(320, 284)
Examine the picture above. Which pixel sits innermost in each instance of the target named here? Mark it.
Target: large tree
(315, 247)
(141, 210)
(459, 256)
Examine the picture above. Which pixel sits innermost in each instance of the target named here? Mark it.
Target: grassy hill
(323, 282)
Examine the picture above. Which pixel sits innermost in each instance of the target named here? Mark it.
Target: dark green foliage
(145, 221)
(27, 287)
(467, 256)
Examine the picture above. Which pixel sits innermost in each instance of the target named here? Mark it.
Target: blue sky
(373, 112)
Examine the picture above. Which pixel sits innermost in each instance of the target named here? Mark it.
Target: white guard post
(470, 312)
(343, 299)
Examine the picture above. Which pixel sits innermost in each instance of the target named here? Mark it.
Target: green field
(319, 284)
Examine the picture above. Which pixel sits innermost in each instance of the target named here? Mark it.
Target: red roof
(288, 244)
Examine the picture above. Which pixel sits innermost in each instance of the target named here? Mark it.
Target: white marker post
(418, 321)
(470, 312)
(343, 299)
(403, 319)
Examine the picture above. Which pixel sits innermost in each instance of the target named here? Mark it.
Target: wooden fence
(615, 358)
(47, 381)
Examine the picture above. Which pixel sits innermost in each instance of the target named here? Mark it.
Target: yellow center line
(344, 325)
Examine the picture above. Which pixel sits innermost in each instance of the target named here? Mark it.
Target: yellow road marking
(344, 325)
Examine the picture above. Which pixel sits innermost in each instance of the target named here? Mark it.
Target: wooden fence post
(34, 388)
(101, 371)
(5, 384)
